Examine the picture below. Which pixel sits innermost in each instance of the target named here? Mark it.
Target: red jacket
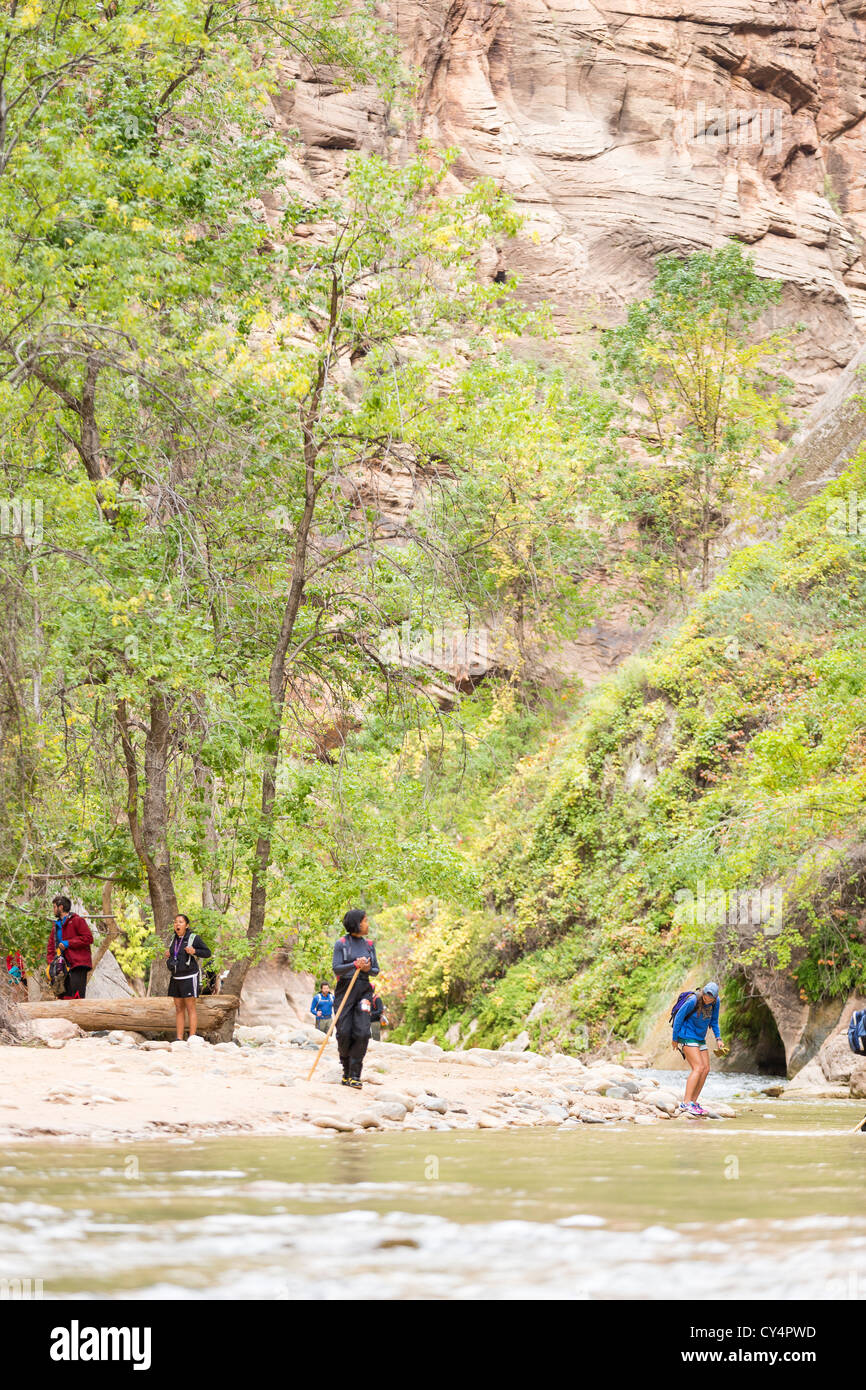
(76, 931)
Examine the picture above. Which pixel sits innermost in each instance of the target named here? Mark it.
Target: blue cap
(712, 988)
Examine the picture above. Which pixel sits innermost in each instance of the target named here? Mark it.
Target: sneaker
(695, 1109)
(346, 1082)
(354, 1083)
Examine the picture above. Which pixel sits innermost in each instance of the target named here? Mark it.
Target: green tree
(703, 396)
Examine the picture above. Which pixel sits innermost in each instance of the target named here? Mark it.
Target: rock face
(274, 994)
(626, 131)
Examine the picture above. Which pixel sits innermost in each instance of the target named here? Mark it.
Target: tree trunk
(135, 1015)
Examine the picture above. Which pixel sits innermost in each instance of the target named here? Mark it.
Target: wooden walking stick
(334, 1023)
(859, 1128)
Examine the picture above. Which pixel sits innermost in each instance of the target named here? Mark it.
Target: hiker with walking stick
(354, 964)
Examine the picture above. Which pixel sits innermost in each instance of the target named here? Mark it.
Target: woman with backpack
(184, 986)
(692, 1015)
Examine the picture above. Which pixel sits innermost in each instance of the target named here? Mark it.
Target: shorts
(689, 1042)
(183, 986)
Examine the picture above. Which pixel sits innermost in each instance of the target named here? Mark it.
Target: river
(767, 1205)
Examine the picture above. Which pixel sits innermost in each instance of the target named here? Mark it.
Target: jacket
(690, 1024)
(77, 938)
(346, 951)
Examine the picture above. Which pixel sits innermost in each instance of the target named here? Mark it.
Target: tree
(701, 395)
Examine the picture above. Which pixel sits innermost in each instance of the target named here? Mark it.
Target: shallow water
(767, 1205)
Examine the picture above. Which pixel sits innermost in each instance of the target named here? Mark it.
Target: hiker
(377, 1017)
(322, 1008)
(354, 955)
(16, 974)
(70, 940)
(694, 1013)
(183, 987)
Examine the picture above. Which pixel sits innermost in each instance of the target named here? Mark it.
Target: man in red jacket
(72, 938)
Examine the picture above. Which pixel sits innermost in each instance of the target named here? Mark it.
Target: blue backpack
(681, 999)
(857, 1033)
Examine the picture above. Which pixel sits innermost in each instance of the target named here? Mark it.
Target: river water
(767, 1205)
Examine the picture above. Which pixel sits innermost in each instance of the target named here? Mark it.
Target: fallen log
(215, 1011)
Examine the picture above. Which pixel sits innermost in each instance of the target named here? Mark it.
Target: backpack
(857, 1033)
(680, 1000)
(58, 975)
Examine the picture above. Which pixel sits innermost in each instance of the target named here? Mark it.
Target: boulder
(108, 981)
(54, 1029)
(857, 1081)
(836, 1059)
(121, 1037)
(333, 1122)
(518, 1044)
(274, 994)
(426, 1049)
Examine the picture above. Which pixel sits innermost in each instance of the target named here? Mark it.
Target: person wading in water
(354, 955)
(697, 1013)
(184, 985)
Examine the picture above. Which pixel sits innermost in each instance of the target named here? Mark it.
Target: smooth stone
(332, 1122)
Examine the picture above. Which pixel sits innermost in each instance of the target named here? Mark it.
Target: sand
(89, 1089)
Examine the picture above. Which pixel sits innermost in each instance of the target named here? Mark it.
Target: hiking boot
(346, 1081)
(354, 1083)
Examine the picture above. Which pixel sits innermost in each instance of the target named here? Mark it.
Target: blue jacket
(321, 1006)
(690, 1026)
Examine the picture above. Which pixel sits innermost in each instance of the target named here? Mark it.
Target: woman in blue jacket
(696, 1014)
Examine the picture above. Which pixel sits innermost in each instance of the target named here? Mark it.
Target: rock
(219, 1047)
(434, 1103)
(54, 1029)
(108, 981)
(857, 1081)
(197, 1041)
(487, 1121)
(164, 1046)
(160, 1069)
(57, 1042)
(452, 1035)
(644, 1120)
(386, 1097)
(589, 1117)
(836, 1059)
(554, 1112)
(811, 1082)
(367, 1120)
(274, 995)
(616, 1092)
(719, 1111)
(426, 1049)
(391, 1110)
(474, 1059)
(518, 1044)
(254, 1036)
(332, 1122)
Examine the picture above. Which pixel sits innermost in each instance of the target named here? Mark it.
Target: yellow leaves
(140, 224)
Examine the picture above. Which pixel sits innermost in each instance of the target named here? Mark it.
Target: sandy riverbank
(119, 1089)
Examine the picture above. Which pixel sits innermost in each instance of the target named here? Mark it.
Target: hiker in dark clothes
(184, 986)
(354, 954)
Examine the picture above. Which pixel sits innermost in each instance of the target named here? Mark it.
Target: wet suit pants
(353, 1031)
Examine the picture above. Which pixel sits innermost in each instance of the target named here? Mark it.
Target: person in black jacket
(184, 986)
(354, 954)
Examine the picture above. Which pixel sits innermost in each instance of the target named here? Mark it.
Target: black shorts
(184, 986)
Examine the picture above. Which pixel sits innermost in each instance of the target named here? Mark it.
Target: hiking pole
(859, 1128)
(334, 1024)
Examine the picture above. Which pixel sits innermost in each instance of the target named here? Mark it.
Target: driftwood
(215, 1012)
